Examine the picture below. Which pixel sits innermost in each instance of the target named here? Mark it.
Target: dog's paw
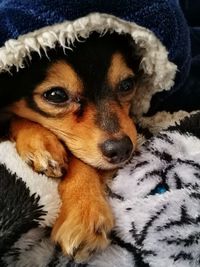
(44, 153)
(82, 231)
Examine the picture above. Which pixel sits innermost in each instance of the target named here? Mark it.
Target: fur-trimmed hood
(28, 26)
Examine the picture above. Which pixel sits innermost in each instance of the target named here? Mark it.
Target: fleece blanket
(155, 198)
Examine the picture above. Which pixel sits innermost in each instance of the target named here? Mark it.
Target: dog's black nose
(117, 150)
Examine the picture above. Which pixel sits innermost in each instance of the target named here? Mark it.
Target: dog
(71, 119)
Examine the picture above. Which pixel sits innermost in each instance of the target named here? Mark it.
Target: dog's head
(83, 96)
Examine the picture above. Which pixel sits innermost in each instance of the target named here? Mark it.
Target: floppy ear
(190, 125)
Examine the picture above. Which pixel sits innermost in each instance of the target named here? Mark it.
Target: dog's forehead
(110, 70)
(93, 58)
(93, 68)
(62, 74)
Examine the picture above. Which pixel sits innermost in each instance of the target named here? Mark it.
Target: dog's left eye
(127, 85)
(56, 95)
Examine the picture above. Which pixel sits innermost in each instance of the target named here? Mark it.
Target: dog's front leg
(85, 218)
(39, 147)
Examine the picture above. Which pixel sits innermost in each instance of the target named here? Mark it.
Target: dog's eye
(56, 95)
(126, 86)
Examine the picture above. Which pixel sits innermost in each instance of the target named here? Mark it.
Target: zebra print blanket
(155, 200)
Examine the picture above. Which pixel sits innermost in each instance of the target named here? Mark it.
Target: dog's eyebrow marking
(59, 74)
(118, 69)
(63, 75)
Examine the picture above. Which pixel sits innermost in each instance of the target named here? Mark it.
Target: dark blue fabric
(191, 9)
(188, 96)
(163, 17)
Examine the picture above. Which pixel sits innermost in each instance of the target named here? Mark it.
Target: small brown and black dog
(72, 114)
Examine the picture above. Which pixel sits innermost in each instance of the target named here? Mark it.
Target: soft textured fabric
(155, 200)
(163, 17)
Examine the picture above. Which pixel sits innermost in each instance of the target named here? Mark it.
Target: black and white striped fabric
(155, 199)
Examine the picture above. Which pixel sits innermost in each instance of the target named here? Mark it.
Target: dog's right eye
(126, 86)
(56, 95)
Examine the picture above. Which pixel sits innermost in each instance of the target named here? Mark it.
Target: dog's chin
(103, 164)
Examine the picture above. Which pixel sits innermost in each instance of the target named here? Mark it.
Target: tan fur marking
(118, 70)
(60, 74)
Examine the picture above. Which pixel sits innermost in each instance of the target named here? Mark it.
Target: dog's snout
(117, 150)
